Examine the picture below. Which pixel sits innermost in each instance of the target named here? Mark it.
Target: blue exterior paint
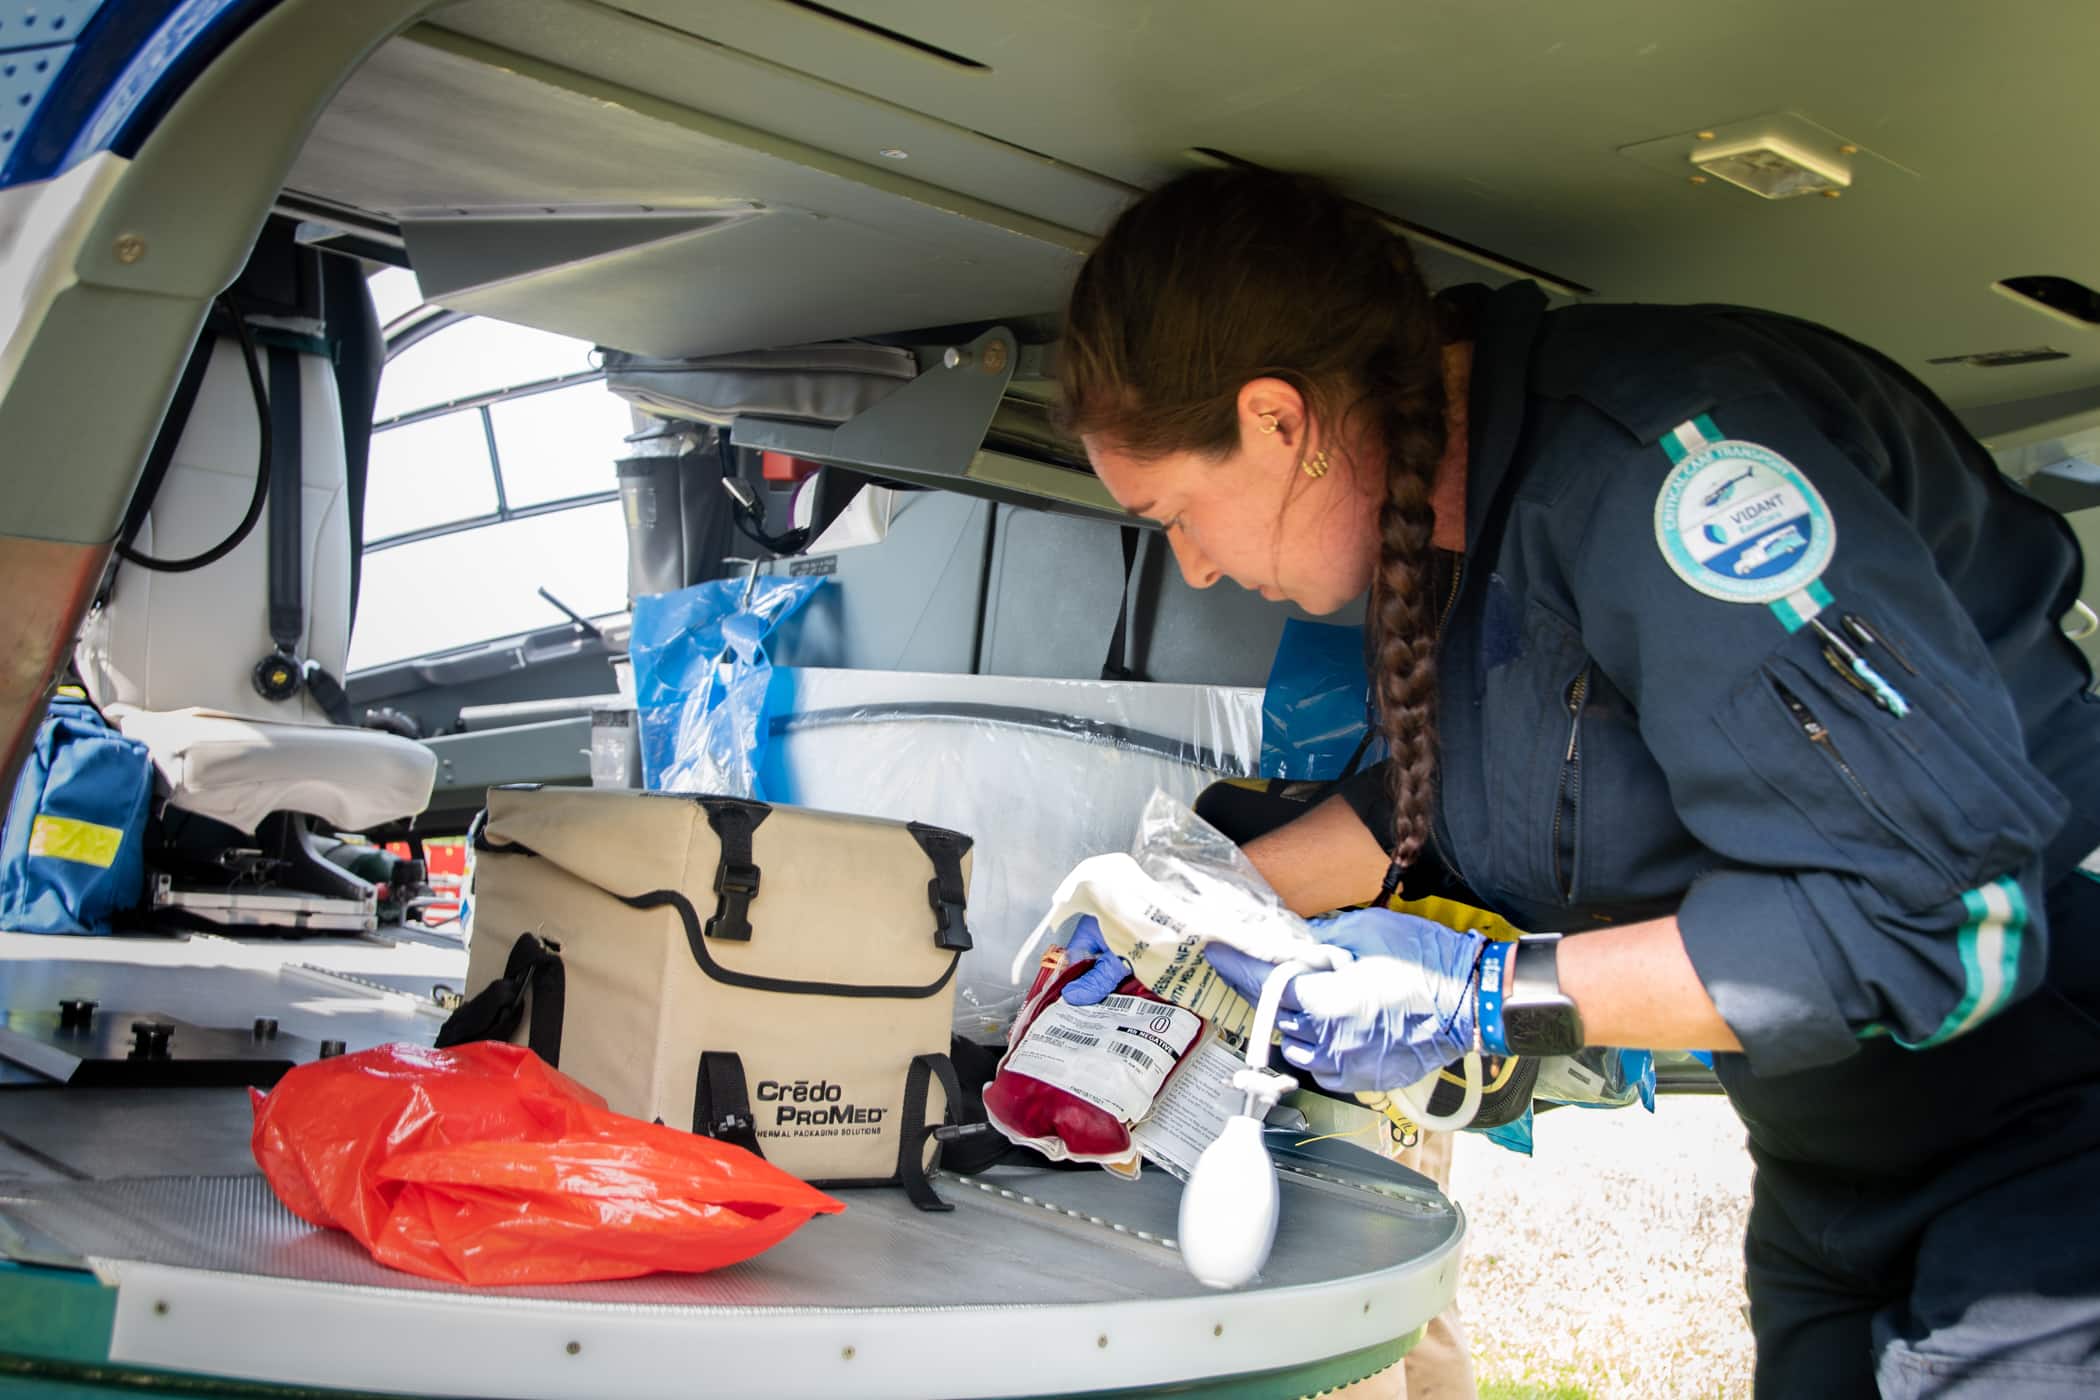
(121, 73)
(31, 24)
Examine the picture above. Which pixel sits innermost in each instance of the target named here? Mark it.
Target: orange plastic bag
(483, 1165)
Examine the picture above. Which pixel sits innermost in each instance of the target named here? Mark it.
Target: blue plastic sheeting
(700, 679)
(1317, 705)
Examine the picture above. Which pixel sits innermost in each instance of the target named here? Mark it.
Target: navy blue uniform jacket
(1622, 741)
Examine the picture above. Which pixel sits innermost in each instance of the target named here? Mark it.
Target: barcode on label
(1070, 1036)
(1131, 1052)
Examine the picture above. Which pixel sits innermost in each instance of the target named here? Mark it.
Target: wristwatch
(1522, 1009)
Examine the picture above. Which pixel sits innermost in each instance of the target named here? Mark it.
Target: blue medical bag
(73, 852)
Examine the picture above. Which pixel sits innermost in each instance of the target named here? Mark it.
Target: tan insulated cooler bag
(775, 977)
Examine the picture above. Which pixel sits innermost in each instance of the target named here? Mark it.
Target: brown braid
(1226, 276)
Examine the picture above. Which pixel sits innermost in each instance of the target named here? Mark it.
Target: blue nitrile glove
(1108, 971)
(1403, 1010)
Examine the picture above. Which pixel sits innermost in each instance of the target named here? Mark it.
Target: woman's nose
(1196, 569)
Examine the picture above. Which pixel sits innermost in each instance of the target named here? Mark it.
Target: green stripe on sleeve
(1989, 947)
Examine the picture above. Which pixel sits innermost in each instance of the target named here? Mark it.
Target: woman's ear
(1274, 422)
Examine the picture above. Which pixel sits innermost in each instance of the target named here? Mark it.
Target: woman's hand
(1402, 1010)
(1108, 971)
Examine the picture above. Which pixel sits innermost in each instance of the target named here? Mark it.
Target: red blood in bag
(1028, 1109)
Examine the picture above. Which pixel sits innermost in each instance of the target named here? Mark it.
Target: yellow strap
(63, 838)
(1452, 914)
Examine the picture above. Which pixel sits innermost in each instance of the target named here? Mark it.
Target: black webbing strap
(328, 693)
(287, 531)
(1117, 665)
(946, 891)
(533, 969)
(287, 485)
(722, 1102)
(162, 456)
(915, 1130)
(736, 878)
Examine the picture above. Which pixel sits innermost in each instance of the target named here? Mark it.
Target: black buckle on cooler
(951, 931)
(736, 886)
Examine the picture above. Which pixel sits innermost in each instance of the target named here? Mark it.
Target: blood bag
(1076, 1079)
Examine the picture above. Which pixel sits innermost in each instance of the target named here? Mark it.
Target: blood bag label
(1192, 1111)
(1113, 1055)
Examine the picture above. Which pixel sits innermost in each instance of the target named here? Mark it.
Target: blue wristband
(1492, 961)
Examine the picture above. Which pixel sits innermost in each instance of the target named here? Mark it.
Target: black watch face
(1542, 1030)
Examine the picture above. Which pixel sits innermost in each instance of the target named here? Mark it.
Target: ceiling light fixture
(1772, 167)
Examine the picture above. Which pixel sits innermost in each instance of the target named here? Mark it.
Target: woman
(1708, 636)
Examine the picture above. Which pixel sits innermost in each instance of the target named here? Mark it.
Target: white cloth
(239, 771)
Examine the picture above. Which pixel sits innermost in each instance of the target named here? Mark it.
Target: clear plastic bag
(1043, 773)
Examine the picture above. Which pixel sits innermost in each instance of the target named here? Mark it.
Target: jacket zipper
(1819, 735)
(1568, 798)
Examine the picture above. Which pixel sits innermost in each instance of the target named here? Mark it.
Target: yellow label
(63, 838)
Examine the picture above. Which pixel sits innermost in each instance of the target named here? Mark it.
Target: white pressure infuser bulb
(1228, 1209)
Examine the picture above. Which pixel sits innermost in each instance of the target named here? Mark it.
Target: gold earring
(1315, 465)
(1268, 423)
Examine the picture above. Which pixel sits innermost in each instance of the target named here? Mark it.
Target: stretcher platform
(139, 1241)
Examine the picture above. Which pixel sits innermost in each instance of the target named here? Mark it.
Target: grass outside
(1525, 1390)
(1609, 1265)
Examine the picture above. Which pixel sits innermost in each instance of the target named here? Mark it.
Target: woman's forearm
(1633, 985)
(1322, 861)
(1636, 986)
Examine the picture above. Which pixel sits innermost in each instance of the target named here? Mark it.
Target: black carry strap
(915, 1130)
(287, 486)
(736, 878)
(1116, 667)
(722, 1102)
(534, 968)
(946, 891)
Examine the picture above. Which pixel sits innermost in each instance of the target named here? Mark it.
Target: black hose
(262, 470)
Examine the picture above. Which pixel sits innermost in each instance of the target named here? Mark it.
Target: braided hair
(1226, 276)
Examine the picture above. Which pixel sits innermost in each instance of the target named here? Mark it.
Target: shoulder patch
(1741, 523)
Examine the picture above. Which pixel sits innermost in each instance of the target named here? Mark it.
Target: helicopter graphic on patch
(1741, 523)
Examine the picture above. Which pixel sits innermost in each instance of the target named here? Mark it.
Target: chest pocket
(1583, 829)
(1922, 807)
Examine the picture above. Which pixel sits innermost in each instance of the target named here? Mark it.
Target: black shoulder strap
(287, 487)
(1117, 665)
(946, 891)
(915, 1130)
(287, 538)
(736, 878)
(533, 971)
(722, 1102)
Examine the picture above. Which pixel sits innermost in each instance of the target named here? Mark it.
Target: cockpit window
(491, 477)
